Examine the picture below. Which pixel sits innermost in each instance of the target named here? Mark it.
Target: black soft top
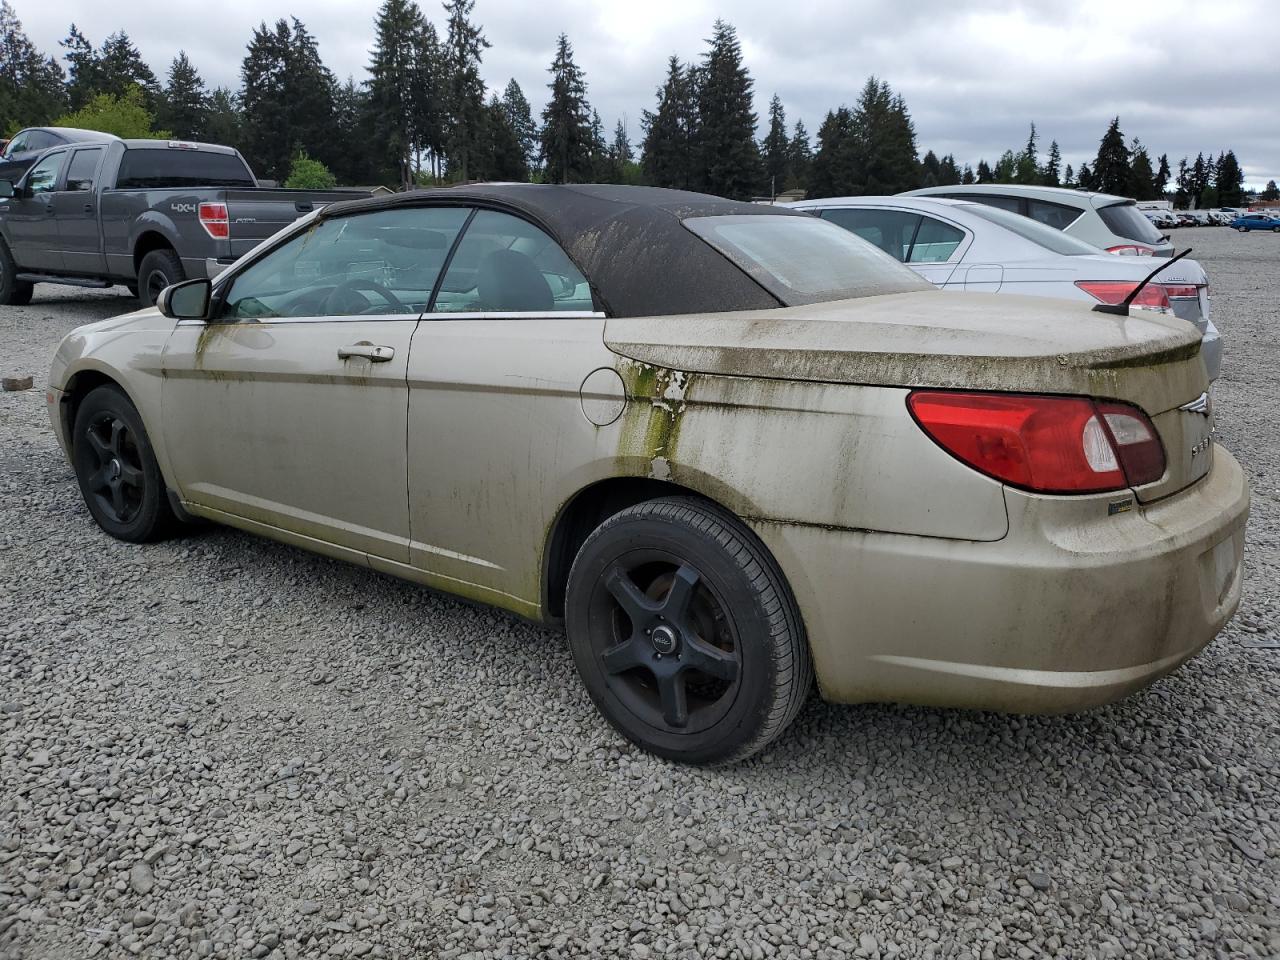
(629, 242)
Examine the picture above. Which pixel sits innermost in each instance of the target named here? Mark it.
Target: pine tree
(968, 176)
(358, 162)
(930, 170)
(31, 84)
(1270, 192)
(1068, 177)
(776, 151)
(1230, 181)
(120, 66)
(520, 118)
(884, 143)
(1111, 173)
(464, 90)
(222, 120)
(499, 154)
(621, 156)
(601, 167)
(1026, 167)
(1006, 167)
(567, 135)
(185, 104)
(82, 68)
(1142, 178)
(670, 132)
(730, 159)
(799, 157)
(1162, 175)
(833, 172)
(392, 86)
(1198, 177)
(428, 102)
(1052, 173)
(1084, 178)
(984, 173)
(948, 172)
(1182, 192)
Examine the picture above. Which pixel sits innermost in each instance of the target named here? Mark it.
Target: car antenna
(1122, 309)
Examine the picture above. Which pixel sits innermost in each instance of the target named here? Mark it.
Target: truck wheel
(159, 269)
(13, 292)
(685, 632)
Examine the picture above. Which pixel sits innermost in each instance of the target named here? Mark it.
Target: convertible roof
(629, 242)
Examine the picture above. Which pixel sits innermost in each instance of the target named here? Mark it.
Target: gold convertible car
(729, 447)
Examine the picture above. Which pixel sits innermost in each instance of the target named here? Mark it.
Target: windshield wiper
(1122, 309)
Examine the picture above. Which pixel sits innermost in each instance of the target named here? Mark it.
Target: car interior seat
(509, 280)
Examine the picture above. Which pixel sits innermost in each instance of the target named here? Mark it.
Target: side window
(1056, 215)
(893, 231)
(367, 264)
(17, 145)
(39, 140)
(1012, 204)
(935, 241)
(44, 175)
(507, 265)
(83, 169)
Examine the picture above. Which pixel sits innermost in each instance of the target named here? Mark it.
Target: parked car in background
(1255, 221)
(1186, 220)
(1113, 223)
(25, 145)
(144, 213)
(962, 245)
(728, 446)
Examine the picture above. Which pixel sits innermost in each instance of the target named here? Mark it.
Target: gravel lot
(219, 746)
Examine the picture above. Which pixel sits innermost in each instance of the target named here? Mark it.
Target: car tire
(116, 468)
(1243, 229)
(685, 632)
(13, 292)
(159, 269)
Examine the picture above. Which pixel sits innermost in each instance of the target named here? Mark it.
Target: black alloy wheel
(685, 633)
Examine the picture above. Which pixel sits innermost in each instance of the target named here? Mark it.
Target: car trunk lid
(955, 341)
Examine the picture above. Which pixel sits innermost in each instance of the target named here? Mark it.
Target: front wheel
(685, 633)
(116, 467)
(1243, 229)
(13, 292)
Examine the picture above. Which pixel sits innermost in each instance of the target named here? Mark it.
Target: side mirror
(188, 300)
(6, 189)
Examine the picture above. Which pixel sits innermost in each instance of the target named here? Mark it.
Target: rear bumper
(1074, 608)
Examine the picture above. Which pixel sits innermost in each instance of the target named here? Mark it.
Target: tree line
(421, 116)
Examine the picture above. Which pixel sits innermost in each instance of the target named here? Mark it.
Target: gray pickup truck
(143, 213)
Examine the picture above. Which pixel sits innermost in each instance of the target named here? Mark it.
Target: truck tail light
(1130, 250)
(1153, 296)
(213, 217)
(1042, 443)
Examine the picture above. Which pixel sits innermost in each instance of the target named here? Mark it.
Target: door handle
(88, 208)
(366, 351)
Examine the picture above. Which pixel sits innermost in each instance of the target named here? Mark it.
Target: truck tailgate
(257, 214)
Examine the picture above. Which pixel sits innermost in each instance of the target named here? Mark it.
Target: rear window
(158, 169)
(1036, 232)
(1056, 215)
(805, 260)
(1124, 220)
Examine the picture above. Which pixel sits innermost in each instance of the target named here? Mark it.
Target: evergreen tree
(984, 173)
(601, 167)
(31, 84)
(670, 132)
(1198, 177)
(1142, 178)
(1230, 181)
(464, 90)
(429, 100)
(930, 170)
(1052, 173)
(1270, 192)
(1208, 198)
(1183, 184)
(358, 162)
(968, 176)
(1068, 177)
(1111, 173)
(776, 150)
(222, 120)
(1084, 178)
(185, 104)
(120, 66)
(730, 159)
(393, 88)
(799, 157)
(499, 154)
(1162, 175)
(1026, 167)
(82, 68)
(621, 156)
(1006, 167)
(948, 172)
(833, 171)
(884, 142)
(287, 99)
(520, 119)
(568, 139)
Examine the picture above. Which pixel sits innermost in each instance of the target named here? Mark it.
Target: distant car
(1186, 220)
(961, 245)
(1113, 223)
(21, 151)
(1255, 221)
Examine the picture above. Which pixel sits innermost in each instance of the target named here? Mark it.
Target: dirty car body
(551, 398)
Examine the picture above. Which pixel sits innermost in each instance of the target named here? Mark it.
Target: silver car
(962, 245)
(1113, 223)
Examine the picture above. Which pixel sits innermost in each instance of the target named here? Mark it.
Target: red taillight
(213, 217)
(1045, 444)
(1131, 250)
(1178, 291)
(1153, 296)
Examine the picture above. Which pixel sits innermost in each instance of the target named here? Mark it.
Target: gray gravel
(219, 746)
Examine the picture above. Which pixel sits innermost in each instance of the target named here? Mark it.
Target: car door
(33, 231)
(496, 404)
(75, 210)
(287, 411)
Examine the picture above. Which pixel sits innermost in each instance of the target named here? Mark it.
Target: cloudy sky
(1183, 76)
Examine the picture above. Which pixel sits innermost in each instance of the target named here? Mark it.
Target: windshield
(805, 260)
(1037, 233)
(1124, 220)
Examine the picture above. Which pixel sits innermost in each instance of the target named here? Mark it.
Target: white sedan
(961, 245)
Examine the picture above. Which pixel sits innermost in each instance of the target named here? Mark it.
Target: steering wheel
(332, 301)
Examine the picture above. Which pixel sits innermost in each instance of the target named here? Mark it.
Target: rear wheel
(1243, 229)
(685, 633)
(159, 269)
(13, 292)
(116, 467)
